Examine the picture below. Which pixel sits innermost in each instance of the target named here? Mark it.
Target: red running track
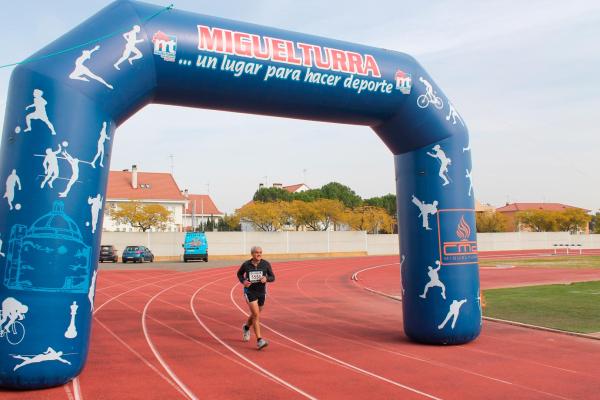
(169, 335)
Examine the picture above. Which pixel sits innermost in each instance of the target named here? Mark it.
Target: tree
(490, 221)
(595, 223)
(573, 220)
(142, 216)
(370, 219)
(308, 195)
(387, 202)
(337, 191)
(264, 216)
(317, 215)
(272, 194)
(539, 220)
(230, 223)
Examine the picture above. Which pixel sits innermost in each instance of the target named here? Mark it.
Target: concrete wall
(224, 244)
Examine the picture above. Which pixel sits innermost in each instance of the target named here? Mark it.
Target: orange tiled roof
(536, 206)
(204, 205)
(293, 188)
(151, 186)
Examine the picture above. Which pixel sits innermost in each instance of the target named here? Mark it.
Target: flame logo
(463, 231)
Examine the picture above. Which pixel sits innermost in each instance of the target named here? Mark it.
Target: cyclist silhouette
(12, 310)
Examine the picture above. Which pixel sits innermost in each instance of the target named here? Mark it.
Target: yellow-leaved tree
(370, 219)
(142, 216)
(267, 217)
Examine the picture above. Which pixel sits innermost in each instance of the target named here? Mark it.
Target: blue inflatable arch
(62, 114)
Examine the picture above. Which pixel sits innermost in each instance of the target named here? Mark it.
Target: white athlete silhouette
(12, 181)
(470, 178)
(132, 40)
(96, 203)
(444, 162)
(402, 272)
(429, 97)
(50, 164)
(426, 210)
(48, 355)
(468, 148)
(453, 313)
(39, 113)
(1, 253)
(75, 174)
(454, 115)
(434, 281)
(12, 310)
(92, 291)
(100, 152)
(82, 73)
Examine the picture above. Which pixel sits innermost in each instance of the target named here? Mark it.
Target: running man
(39, 103)
(12, 310)
(50, 164)
(74, 162)
(132, 40)
(440, 155)
(254, 274)
(453, 313)
(48, 355)
(100, 151)
(434, 281)
(11, 182)
(82, 73)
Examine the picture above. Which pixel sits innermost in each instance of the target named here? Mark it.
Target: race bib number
(254, 276)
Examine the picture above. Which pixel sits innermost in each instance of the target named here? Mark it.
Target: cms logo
(458, 244)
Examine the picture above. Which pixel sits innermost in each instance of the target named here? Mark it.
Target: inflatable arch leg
(59, 127)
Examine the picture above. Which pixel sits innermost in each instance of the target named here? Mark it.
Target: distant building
(510, 211)
(482, 208)
(199, 209)
(147, 188)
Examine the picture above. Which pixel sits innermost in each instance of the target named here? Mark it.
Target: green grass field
(547, 262)
(574, 307)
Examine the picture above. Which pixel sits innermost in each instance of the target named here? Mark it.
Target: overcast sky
(525, 76)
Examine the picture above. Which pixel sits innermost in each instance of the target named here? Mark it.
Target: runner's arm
(240, 274)
(270, 274)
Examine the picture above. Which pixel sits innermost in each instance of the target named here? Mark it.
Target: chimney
(261, 185)
(134, 176)
(278, 185)
(186, 193)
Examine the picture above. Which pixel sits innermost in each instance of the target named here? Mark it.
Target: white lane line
(351, 366)
(355, 275)
(218, 339)
(69, 393)
(155, 351)
(141, 357)
(77, 389)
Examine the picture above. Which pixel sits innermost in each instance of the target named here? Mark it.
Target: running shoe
(246, 335)
(262, 343)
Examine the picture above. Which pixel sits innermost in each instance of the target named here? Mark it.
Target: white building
(147, 188)
(199, 209)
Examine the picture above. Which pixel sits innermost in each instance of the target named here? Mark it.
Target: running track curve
(168, 335)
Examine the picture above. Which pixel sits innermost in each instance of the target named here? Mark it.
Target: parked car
(137, 254)
(108, 253)
(195, 247)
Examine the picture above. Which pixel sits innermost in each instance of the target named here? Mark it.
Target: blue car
(195, 247)
(137, 254)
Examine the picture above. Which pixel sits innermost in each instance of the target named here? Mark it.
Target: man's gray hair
(254, 248)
